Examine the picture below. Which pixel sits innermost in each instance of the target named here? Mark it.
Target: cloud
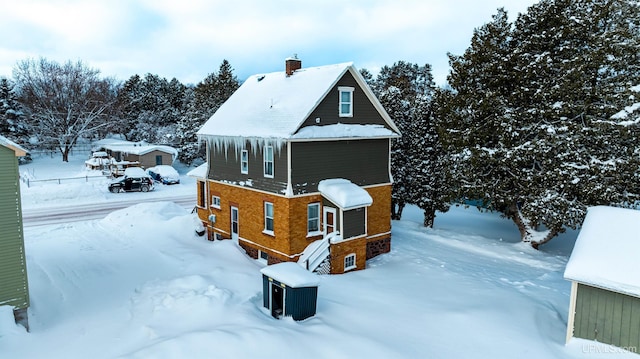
(189, 39)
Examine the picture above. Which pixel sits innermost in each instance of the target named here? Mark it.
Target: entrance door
(277, 300)
(329, 219)
(234, 223)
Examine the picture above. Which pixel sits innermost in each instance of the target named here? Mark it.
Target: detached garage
(604, 271)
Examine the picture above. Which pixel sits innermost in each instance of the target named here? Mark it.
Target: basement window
(350, 262)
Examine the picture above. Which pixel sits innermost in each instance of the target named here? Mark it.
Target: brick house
(298, 169)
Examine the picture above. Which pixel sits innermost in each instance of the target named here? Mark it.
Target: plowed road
(82, 212)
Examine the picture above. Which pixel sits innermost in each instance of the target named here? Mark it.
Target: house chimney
(292, 64)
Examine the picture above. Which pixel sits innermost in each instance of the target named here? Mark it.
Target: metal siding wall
(13, 275)
(363, 110)
(608, 317)
(301, 302)
(354, 222)
(225, 166)
(363, 162)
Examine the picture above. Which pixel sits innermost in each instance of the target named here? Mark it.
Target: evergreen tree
(418, 161)
(530, 109)
(11, 114)
(208, 96)
(151, 108)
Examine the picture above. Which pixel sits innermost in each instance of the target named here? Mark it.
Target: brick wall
(379, 213)
(343, 249)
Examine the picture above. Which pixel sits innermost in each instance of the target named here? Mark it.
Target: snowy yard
(140, 284)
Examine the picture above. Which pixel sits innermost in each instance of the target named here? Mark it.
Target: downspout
(289, 187)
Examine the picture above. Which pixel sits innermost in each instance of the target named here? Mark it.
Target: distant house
(14, 289)
(140, 154)
(604, 271)
(299, 169)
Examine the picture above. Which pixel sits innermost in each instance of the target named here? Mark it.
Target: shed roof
(19, 150)
(291, 274)
(275, 105)
(344, 193)
(134, 148)
(605, 254)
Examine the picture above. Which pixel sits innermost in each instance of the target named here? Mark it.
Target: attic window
(345, 107)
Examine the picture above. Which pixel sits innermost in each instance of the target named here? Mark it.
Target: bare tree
(64, 102)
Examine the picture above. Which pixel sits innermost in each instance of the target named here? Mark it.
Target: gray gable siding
(13, 271)
(363, 110)
(224, 165)
(363, 162)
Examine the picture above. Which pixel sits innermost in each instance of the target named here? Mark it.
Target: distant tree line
(536, 120)
(53, 106)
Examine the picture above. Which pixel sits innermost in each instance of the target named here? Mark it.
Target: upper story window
(346, 101)
(244, 162)
(313, 218)
(268, 161)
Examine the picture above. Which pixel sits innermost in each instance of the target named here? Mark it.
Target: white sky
(189, 39)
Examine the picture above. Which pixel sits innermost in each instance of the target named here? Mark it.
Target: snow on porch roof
(606, 251)
(291, 274)
(344, 194)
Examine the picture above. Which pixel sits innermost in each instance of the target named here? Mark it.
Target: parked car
(164, 174)
(134, 179)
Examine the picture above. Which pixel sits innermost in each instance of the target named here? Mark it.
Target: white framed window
(345, 106)
(215, 202)
(268, 218)
(349, 262)
(244, 162)
(268, 161)
(313, 218)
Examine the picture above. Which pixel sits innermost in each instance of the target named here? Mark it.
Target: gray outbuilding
(605, 285)
(289, 290)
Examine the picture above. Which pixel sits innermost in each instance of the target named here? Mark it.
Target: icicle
(239, 143)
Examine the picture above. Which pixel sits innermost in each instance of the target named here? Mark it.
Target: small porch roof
(344, 193)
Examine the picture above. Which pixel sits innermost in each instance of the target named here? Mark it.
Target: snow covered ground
(140, 284)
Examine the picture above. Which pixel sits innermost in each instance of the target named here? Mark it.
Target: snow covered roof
(275, 105)
(291, 274)
(19, 150)
(344, 193)
(200, 171)
(606, 251)
(165, 171)
(135, 172)
(134, 148)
